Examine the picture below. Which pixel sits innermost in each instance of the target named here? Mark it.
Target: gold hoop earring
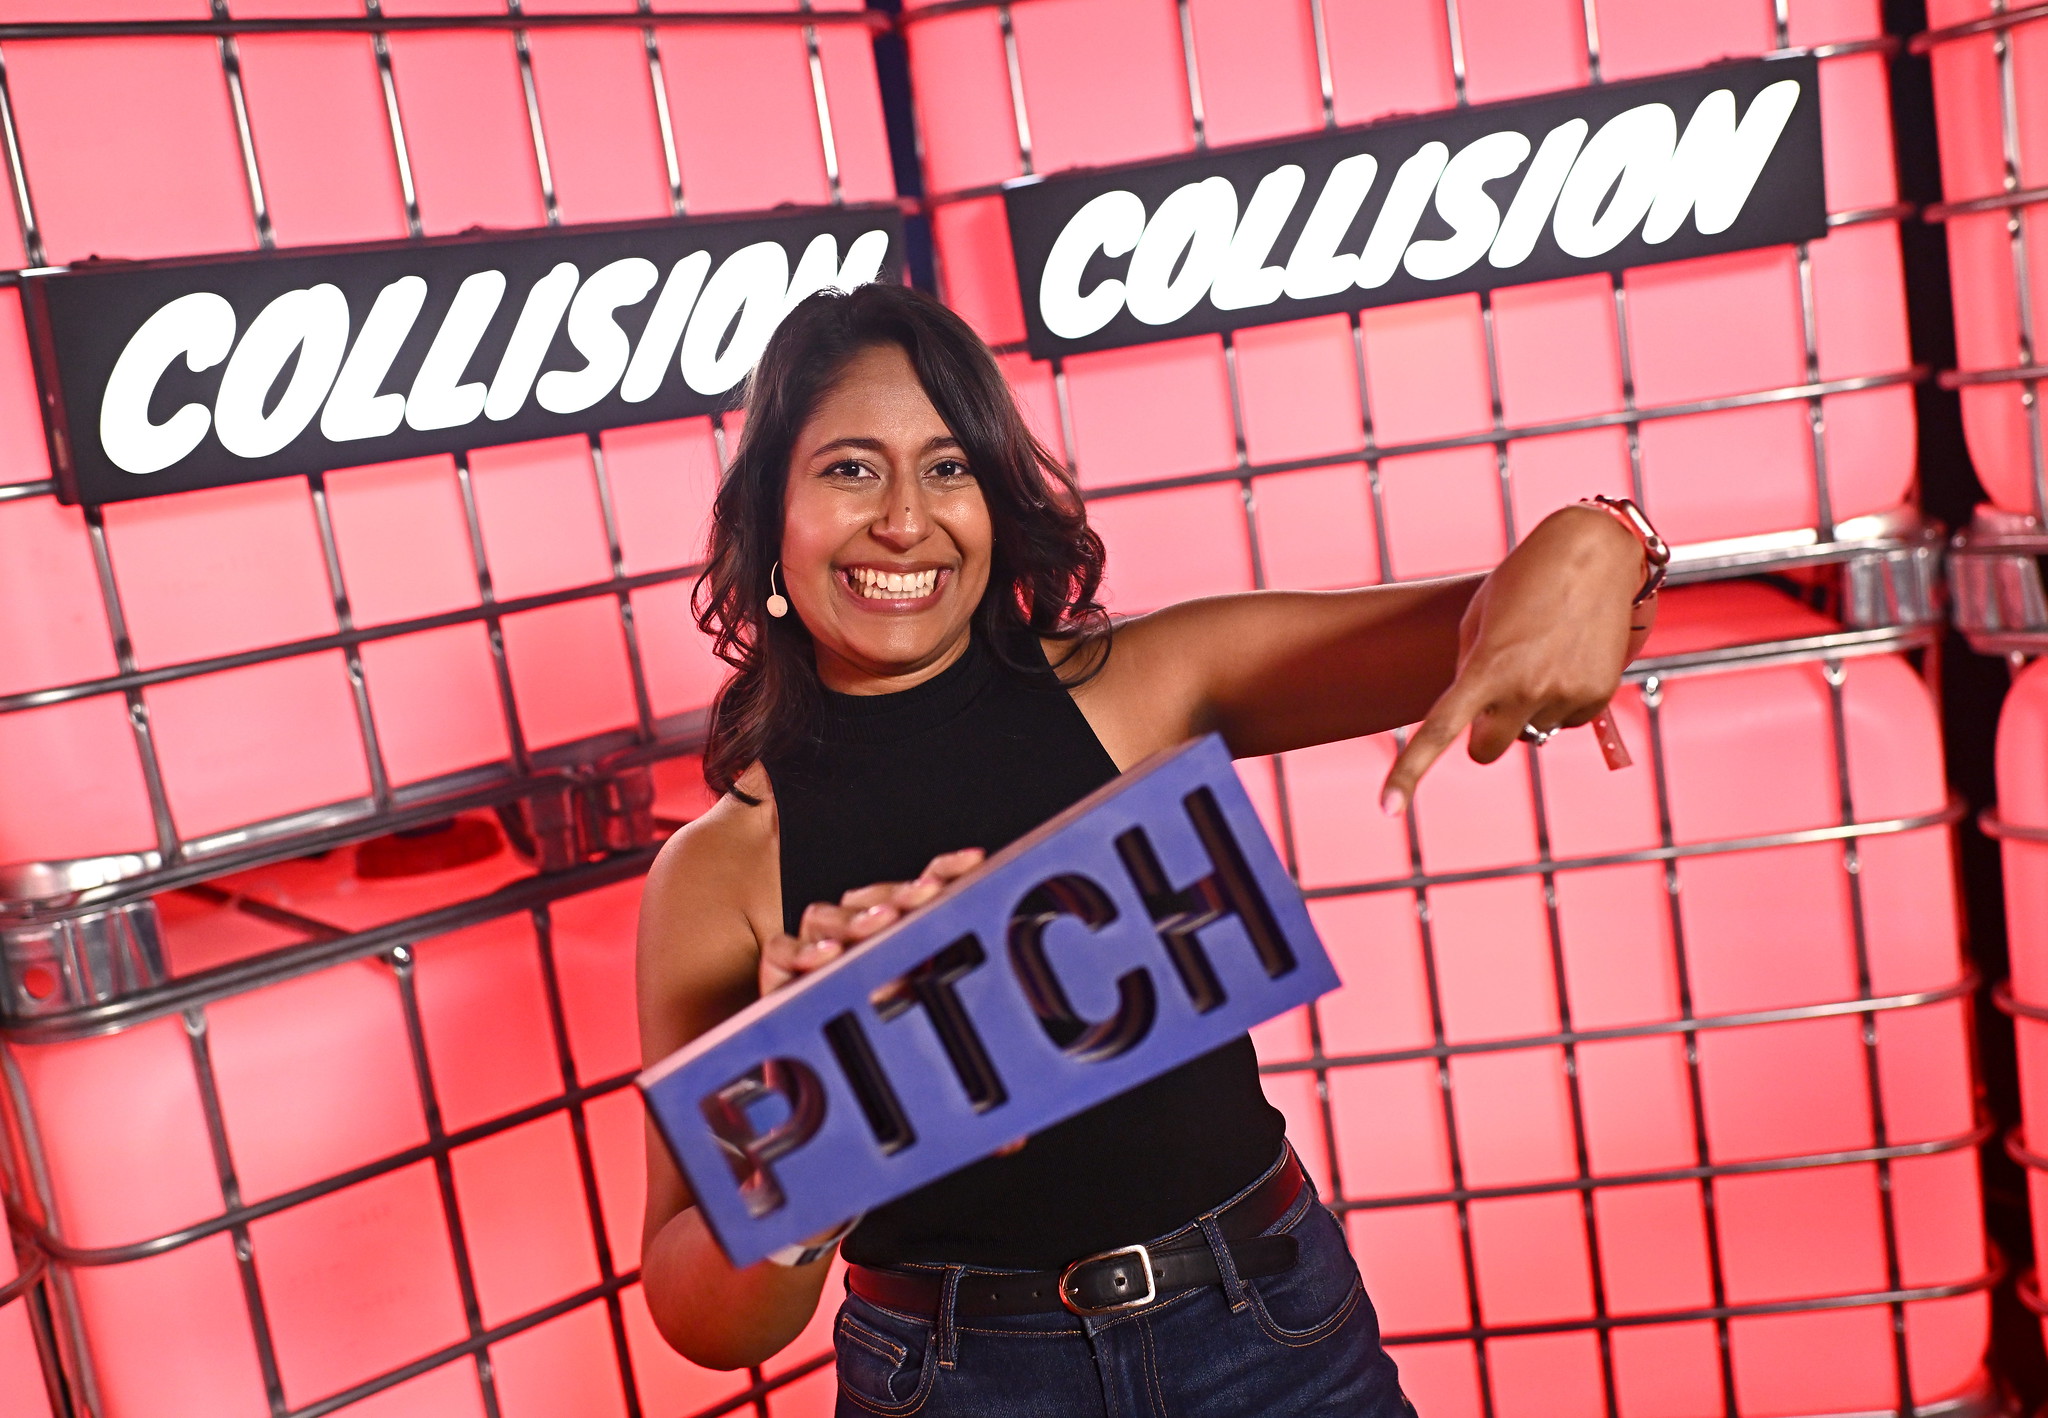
(778, 606)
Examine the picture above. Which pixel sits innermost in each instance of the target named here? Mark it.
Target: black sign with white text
(1597, 179)
(160, 377)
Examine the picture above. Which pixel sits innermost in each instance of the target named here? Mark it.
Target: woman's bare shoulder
(712, 891)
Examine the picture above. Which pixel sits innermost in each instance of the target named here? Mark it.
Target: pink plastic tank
(1509, 1096)
(2023, 827)
(1108, 81)
(427, 1153)
(1992, 121)
(22, 1389)
(131, 147)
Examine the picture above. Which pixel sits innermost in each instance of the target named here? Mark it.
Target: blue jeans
(1305, 1342)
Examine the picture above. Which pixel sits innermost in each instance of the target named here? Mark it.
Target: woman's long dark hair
(1046, 563)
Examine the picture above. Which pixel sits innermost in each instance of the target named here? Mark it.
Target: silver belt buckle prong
(1151, 1282)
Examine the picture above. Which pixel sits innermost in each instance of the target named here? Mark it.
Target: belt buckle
(1118, 1307)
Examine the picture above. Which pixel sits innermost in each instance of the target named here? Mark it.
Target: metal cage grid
(1995, 571)
(1827, 541)
(1999, 25)
(606, 1172)
(654, 730)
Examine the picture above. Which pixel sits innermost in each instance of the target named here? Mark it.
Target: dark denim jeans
(1305, 1342)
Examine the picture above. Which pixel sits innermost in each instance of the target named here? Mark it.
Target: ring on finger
(1536, 737)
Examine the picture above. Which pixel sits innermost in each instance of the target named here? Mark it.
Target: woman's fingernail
(873, 913)
(823, 947)
(1393, 803)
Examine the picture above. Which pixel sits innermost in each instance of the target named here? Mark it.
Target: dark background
(1972, 687)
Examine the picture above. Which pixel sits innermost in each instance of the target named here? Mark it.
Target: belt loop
(1233, 1283)
(947, 1337)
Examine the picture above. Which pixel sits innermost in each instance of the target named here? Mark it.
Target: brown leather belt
(1112, 1281)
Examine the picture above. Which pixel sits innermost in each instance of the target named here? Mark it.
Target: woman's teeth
(893, 585)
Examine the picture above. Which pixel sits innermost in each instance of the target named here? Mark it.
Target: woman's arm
(1545, 636)
(710, 945)
(699, 963)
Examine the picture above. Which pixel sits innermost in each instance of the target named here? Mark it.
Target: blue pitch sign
(1143, 927)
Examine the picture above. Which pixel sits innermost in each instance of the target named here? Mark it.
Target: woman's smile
(895, 590)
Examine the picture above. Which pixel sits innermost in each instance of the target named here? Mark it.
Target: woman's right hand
(826, 930)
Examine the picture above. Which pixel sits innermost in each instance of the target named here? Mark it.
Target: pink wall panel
(568, 1365)
(1257, 65)
(466, 130)
(322, 138)
(713, 74)
(596, 97)
(129, 147)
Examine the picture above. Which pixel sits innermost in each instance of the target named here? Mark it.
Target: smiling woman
(939, 681)
(881, 444)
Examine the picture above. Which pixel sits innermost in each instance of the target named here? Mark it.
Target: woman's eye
(950, 468)
(849, 469)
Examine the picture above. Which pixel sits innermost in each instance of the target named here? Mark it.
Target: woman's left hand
(1542, 644)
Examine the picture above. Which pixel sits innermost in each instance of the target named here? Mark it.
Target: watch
(1656, 551)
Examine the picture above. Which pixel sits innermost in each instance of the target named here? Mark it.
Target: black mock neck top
(977, 756)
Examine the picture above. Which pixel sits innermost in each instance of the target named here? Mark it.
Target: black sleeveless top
(977, 756)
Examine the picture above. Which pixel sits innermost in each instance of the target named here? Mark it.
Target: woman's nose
(906, 521)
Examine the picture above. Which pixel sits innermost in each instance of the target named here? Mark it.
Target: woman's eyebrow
(876, 445)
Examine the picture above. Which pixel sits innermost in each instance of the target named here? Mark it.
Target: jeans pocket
(883, 1358)
(1318, 1292)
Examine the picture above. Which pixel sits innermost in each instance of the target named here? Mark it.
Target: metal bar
(44, 487)
(30, 1275)
(643, 707)
(1962, 1142)
(206, 986)
(2022, 268)
(241, 1213)
(62, 1296)
(476, 1347)
(2007, 1003)
(1447, 1108)
(400, 959)
(1018, 111)
(1852, 866)
(1858, 216)
(1319, 23)
(1998, 202)
(1881, 640)
(1809, 330)
(1667, 852)
(493, 618)
(542, 167)
(1990, 24)
(168, 846)
(374, 23)
(1625, 417)
(586, 1162)
(2018, 374)
(345, 621)
(17, 175)
(341, 640)
(828, 145)
(1717, 1274)
(380, 47)
(1720, 1313)
(231, 1199)
(231, 71)
(1553, 924)
(657, 81)
(1685, 1024)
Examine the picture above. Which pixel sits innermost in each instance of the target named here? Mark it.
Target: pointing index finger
(1450, 716)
